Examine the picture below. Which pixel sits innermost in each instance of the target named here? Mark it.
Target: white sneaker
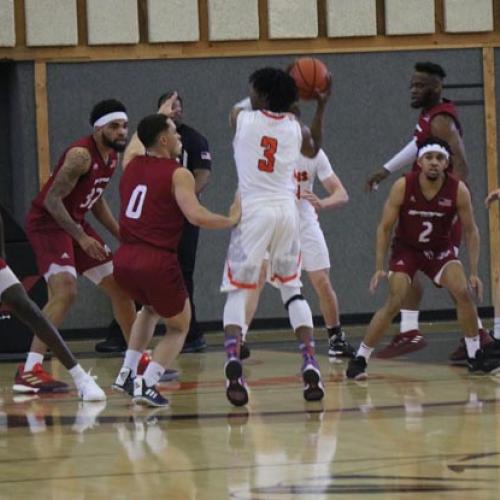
(88, 390)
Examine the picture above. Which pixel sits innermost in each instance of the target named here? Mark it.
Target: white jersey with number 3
(266, 151)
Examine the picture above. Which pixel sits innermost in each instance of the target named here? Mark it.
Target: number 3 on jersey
(270, 145)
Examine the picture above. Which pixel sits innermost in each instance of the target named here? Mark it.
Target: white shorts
(315, 254)
(272, 228)
(7, 279)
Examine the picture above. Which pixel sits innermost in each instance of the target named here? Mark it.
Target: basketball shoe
(37, 380)
(357, 368)
(147, 396)
(338, 347)
(313, 385)
(236, 388)
(460, 353)
(403, 343)
(482, 364)
(88, 390)
(124, 382)
(244, 350)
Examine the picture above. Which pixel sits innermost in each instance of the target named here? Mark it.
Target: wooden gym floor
(419, 428)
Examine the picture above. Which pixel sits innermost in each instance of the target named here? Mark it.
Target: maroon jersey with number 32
(87, 191)
(148, 210)
(427, 224)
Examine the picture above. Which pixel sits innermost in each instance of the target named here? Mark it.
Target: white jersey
(307, 170)
(266, 150)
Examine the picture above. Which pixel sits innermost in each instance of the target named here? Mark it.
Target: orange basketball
(310, 75)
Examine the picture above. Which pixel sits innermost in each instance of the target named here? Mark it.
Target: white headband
(110, 117)
(436, 148)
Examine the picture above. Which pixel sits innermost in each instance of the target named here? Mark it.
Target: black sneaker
(236, 389)
(493, 348)
(244, 350)
(338, 347)
(197, 345)
(483, 363)
(112, 344)
(357, 368)
(313, 385)
(124, 382)
(147, 396)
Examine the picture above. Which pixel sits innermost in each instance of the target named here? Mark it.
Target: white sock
(473, 345)
(244, 331)
(78, 374)
(153, 373)
(479, 323)
(365, 351)
(409, 320)
(496, 327)
(32, 359)
(131, 360)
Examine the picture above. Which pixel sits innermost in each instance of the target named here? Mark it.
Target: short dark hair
(105, 107)
(150, 127)
(276, 86)
(431, 69)
(167, 95)
(434, 140)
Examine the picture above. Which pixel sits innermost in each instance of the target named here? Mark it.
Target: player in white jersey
(267, 145)
(315, 255)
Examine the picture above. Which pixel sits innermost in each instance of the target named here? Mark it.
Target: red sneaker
(37, 380)
(460, 353)
(143, 363)
(403, 343)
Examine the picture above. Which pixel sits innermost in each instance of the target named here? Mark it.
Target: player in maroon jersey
(13, 295)
(438, 118)
(65, 244)
(424, 204)
(157, 196)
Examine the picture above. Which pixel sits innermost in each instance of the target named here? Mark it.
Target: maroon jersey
(427, 224)
(87, 191)
(148, 210)
(423, 127)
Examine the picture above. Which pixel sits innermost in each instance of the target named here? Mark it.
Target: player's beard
(119, 147)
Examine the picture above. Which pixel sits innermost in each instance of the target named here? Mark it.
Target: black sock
(335, 330)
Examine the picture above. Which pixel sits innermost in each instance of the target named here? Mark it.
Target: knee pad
(235, 308)
(298, 309)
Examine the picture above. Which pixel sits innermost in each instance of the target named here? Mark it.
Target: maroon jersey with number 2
(151, 225)
(423, 239)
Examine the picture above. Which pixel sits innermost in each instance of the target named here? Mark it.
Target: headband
(109, 117)
(436, 148)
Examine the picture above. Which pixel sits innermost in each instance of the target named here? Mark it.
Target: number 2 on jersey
(424, 235)
(270, 145)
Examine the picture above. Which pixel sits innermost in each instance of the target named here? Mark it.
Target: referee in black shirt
(196, 158)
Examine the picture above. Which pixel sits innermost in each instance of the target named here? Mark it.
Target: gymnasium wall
(205, 54)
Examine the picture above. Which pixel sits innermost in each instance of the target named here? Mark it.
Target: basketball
(310, 75)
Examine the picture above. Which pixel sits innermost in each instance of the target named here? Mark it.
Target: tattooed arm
(76, 164)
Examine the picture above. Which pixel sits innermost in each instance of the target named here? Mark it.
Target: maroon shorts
(409, 261)
(55, 247)
(151, 276)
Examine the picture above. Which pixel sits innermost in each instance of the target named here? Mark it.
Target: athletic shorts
(409, 261)
(7, 277)
(264, 228)
(152, 277)
(315, 254)
(56, 251)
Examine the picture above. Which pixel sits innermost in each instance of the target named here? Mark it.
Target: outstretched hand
(493, 196)
(373, 182)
